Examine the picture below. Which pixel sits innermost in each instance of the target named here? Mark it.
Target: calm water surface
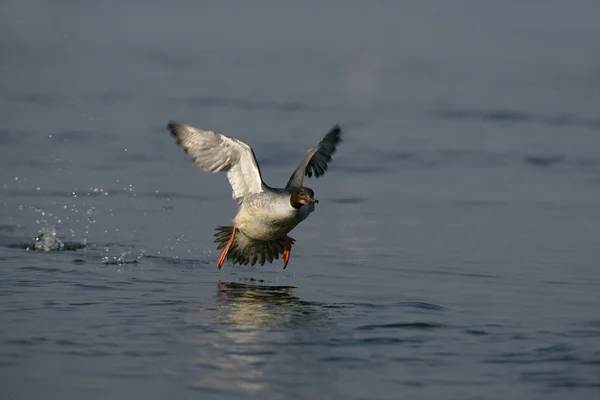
(455, 250)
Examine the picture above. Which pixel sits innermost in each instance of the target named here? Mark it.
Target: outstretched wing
(214, 152)
(315, 161)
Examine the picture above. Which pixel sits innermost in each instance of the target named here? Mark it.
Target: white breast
(269, 224)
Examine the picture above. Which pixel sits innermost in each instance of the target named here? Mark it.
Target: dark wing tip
(174, 127)
(336, 133)
(326, 148)
(331, 140)
(336, 130)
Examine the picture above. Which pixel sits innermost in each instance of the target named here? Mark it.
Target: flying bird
(265, 215)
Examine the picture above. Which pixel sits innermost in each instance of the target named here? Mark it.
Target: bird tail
(247, 251)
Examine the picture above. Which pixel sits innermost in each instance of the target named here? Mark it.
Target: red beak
(310, 200)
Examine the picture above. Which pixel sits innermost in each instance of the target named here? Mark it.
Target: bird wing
(315, 161)
(214, 152)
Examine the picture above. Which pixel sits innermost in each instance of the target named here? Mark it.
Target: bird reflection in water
(253, 322)
(245, 292)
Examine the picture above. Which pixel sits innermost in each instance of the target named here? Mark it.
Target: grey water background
(455, 250)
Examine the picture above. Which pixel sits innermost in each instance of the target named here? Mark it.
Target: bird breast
(268, 223)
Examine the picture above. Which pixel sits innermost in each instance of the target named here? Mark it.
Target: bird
(265, 215)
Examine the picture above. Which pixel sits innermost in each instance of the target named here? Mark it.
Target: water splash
(122, 258)
(47, 237)
(172, 247)
(46, 240)
(90, 221)
(117, 260)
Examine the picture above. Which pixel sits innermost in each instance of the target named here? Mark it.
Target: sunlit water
(453, 254)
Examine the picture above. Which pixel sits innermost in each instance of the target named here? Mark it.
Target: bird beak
(310, 200)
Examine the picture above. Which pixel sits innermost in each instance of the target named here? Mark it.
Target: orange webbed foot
(224, 252)
(287, 248)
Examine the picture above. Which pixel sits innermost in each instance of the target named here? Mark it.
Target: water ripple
(373, 340)
(54, 99)
(544, 160)
(421, 305)
(93, 287)
(403, 325)
(389, 340)
(516, 116)
(347, 200)
(11, 137)
(67, 246)
(247, 104)
(37, 98)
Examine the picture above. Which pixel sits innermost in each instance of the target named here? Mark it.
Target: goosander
(265, 215)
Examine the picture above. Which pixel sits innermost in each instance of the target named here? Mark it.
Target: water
(453, 254)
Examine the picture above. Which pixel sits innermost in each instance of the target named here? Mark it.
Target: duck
(265, 215)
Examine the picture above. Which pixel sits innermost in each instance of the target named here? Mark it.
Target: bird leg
(287, 247)
(224, 252)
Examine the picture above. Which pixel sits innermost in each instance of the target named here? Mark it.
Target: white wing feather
(214, 152)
